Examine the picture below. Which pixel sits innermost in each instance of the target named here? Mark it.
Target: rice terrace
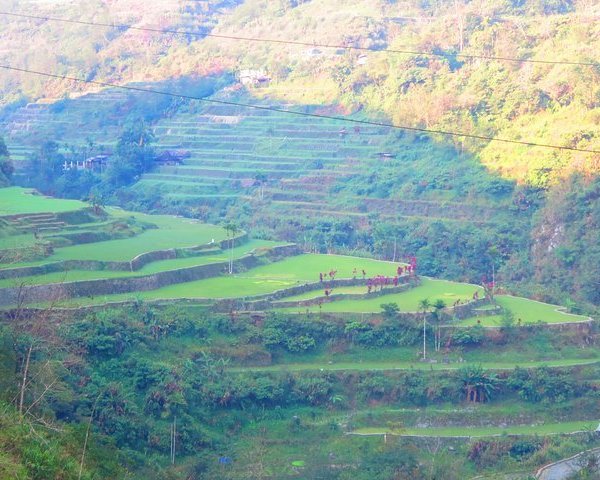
(300, 239)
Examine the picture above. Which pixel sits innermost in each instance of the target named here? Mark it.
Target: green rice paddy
(218, 256)
(407, 301)
(528, 311)
(16, 200)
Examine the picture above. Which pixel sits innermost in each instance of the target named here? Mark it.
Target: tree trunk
(24, 380)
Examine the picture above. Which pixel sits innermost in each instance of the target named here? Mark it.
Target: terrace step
(224, 173)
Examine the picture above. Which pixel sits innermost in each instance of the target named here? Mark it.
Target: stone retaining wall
(135, 264)
(89, 288)
(343, 296)
(269, 300)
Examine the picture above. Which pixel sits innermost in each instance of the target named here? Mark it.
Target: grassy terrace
(154, 267)
(172, 232)
(414, 365)
(15, 201)
(289, 272)
(407, 301)
(471, 431)
(528, 311)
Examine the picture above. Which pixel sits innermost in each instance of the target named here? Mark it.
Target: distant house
(253, 77)
(96, 164)
(172, 157)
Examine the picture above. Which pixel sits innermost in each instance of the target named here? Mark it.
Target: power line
(304, 44)
(301, 114)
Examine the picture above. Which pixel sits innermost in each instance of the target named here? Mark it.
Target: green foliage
(6, 165)
(390, 310)
(542, 385)
(469, 336)
(28, 452)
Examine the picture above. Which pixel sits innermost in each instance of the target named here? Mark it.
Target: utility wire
(301, 114)
(305, 44)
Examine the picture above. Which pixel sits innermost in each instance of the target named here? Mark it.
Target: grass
(529, 311)
(407, 301)
(289, 272)
(172, 232)
(359, 290)
(470, 431)
(151, 268)
(15, 200)
(408, 365)
(275, 276)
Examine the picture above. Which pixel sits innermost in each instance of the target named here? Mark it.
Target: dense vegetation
(131, 374)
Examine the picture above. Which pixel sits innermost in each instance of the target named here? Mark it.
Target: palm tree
(260, 179)
(438, 306)
(231, 229)
(424, 307)
(478, 384)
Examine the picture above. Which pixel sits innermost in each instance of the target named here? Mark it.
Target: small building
(172, 157)
(362, 59)
(96, 164)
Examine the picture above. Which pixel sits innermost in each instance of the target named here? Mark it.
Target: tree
(424, 307)
(134, 154)
(478, 384)
(232, 229)
(438, 306)
(390, 310)
(260, 180)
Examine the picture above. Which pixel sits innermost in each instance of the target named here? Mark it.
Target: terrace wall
(269, 301)
(91, 288)
(135, 264)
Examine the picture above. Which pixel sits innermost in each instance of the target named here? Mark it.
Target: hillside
(219, 356)
(323, 183)
(510, 100)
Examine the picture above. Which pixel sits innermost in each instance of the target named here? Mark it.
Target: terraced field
(19, 201)
(104, 258)
(233, 153)
(93, 255)
(470, 431)
(408, 301)
(415, 365)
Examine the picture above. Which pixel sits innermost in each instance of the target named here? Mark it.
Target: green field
(161, 232)
(149, 269)
(528, 311)
(289, 272)
(16, 200)
(407, 301)
(407, 365)
(172, 232)
(471, 431)
(358, 290)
